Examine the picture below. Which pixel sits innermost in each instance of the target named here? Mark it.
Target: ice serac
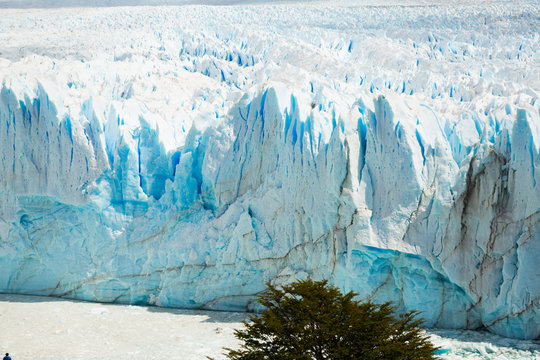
(373, 198)
(208, 156)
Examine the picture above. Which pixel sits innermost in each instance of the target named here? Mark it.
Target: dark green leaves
(312, 320)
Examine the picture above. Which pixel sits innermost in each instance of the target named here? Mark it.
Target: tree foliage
(309, 320)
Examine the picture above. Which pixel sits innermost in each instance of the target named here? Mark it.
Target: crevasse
(98, 210)
(195, 153)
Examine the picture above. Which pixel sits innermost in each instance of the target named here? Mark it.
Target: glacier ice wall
(189, 167)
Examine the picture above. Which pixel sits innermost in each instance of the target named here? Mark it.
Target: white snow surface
(35, 327)
(181, 156)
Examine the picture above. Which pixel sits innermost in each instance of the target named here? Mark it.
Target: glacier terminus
(182, 156)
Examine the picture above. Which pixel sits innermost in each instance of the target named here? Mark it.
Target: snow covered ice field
(43, 328)
(181, 156)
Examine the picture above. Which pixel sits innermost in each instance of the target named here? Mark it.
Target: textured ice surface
(182, 156)
(46, 328)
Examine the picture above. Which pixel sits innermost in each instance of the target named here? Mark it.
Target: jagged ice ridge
(182, 156)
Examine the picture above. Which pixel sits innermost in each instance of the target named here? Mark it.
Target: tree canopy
(311, 320)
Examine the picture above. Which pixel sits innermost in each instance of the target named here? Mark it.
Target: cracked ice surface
(50, 328)
(182, 156)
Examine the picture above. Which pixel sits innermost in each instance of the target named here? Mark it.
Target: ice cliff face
(199, 157)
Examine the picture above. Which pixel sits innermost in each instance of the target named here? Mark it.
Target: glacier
(182, 156)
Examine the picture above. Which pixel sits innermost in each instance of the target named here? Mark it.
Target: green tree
(309, 320)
